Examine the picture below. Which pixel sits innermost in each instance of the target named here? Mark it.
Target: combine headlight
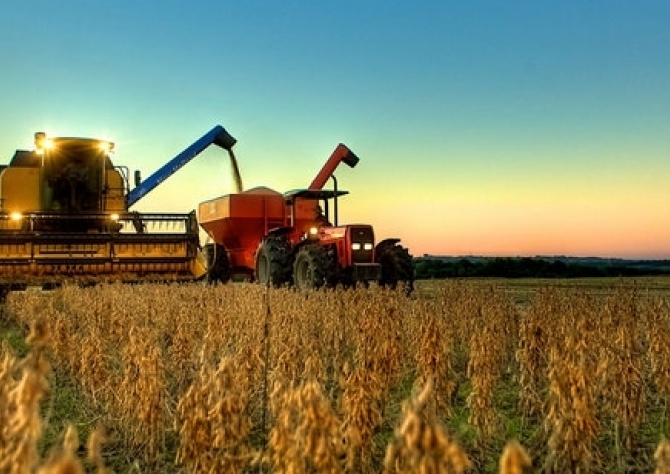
(42, 143)
(114, 217)
(367, 246)
(313, 231)
(16, 216)
(355, 246)
(106, 147)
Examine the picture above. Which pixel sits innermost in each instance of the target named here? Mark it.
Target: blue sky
(516, 128)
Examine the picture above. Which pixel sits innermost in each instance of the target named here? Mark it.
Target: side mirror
(138, 178)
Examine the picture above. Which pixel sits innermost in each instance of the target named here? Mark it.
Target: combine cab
(64, 215)
(290, 239)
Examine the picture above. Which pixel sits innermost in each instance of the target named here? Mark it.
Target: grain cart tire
(218, 265)
(312, 268)
(273, 262)
(4, 291)
(397, 265)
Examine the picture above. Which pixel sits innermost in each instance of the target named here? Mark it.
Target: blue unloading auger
(216, 136)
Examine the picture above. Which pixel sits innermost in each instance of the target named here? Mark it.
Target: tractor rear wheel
(273, 262)
(397, 265)
(218, 264)
(312, 268)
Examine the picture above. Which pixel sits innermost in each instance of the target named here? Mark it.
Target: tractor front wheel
(312, 268)
(397, 265)
(273, 263)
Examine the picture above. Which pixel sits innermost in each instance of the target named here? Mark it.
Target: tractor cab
(309, 208)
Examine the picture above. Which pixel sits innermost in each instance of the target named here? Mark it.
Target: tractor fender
(300, 245)
(278, 231)
(386, 243)
(296, 248)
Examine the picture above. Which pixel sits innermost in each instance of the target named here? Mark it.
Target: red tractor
(290, 239)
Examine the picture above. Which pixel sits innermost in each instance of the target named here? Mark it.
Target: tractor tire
(218, 264)
(312, 268)
(397, 266)
(273, 262)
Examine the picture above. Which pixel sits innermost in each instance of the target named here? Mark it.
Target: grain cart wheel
(397, 264)
(273, 262)
(312, 268)
(218, 265)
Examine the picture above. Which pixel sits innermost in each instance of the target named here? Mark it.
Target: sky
(482, 127)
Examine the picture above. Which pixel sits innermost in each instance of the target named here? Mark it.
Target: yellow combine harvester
(65, 215)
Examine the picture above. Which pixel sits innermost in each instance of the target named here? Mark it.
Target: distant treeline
(535, 267)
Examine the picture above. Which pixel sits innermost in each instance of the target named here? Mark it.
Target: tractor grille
(362, 244)
(367, 272)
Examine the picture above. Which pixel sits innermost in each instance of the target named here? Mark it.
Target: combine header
(65, 214)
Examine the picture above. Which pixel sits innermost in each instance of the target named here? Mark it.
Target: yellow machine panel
(115, 198)
(20, 189)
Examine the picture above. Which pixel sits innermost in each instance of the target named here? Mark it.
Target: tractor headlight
(367, 246)
(16, 216)
(355, 246)
(312, 233)
(114, 217)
